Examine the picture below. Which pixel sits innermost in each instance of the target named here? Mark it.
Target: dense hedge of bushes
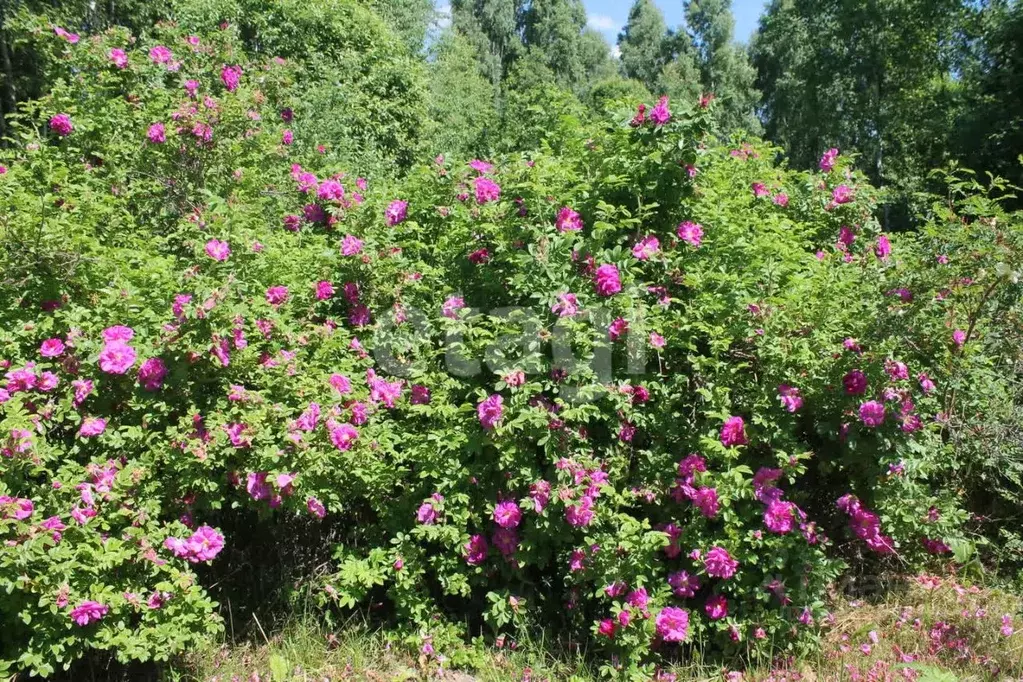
(653, 388)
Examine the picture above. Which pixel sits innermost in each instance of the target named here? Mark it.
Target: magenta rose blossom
(157, 134)
(872, 413)
(646, 248)
(842, 194)
(490, 411)
(607, 281)
(733, 432)
(779, 516)
(691, 233)
(716, 607)
(230, 76)
(61, 124)
(790, 398)
(51, 348)
(276, 296)
(672, 624)
(218, 250)
(855, 382)
(396, 213)
(720, 564)
(117, 357)
(88, 612)
(486, 190)
(661, 114)
(507, 514)
(152, 373)
(568, 220)
(316, 507)
(476, 550)
(91, 427)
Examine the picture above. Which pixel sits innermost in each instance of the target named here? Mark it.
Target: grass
(931, 630)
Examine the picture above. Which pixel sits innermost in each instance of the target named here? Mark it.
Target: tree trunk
(10, 98)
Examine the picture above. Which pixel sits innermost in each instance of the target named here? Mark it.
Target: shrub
(628, 383)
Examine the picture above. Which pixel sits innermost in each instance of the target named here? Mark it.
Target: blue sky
(609, 15)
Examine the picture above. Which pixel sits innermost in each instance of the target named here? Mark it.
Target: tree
(642, 43)
(492, 27)
(874, 77)
(724, 66)
(989, 132)
(410, 19)
(553, 29)
(462, 113)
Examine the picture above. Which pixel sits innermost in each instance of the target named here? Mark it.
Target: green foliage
(463, 118)
(341, 366)
(642, 43)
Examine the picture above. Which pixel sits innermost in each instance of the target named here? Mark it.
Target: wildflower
(287, 137)
(230, 77)
(959, 338)
(88, 612)
(61, 124)
(157, 133)
(883, 248)
(646, 248)
(872, 413)
(855, 382)
(191, 87)
(476, 550)
(277, 296)
(324, 290)
(733, 432)
(1007, 629)
(486, 190)
(661, 114)
(91, 427)
(691, 233)
(316, 507)
(343, 436)
(607, 281)
(926, 385)
(568, 220)
(567, 305)
(672, 624)
(716, 607)
(350, 245)
(760, 190)
(218, 250)
(720, 564)
(842, 194)
(779, 516)
(827, 161)
(51, 348)
(116, 357)
(330, 190)
(396, 212)
(790, 398)
(490, 412)
(618, 328)
(340, 383)
(781, 199)
(451, 306)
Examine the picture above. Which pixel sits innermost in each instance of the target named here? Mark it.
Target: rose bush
(643, 385)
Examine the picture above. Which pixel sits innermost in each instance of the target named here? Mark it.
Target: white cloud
(602, 22)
